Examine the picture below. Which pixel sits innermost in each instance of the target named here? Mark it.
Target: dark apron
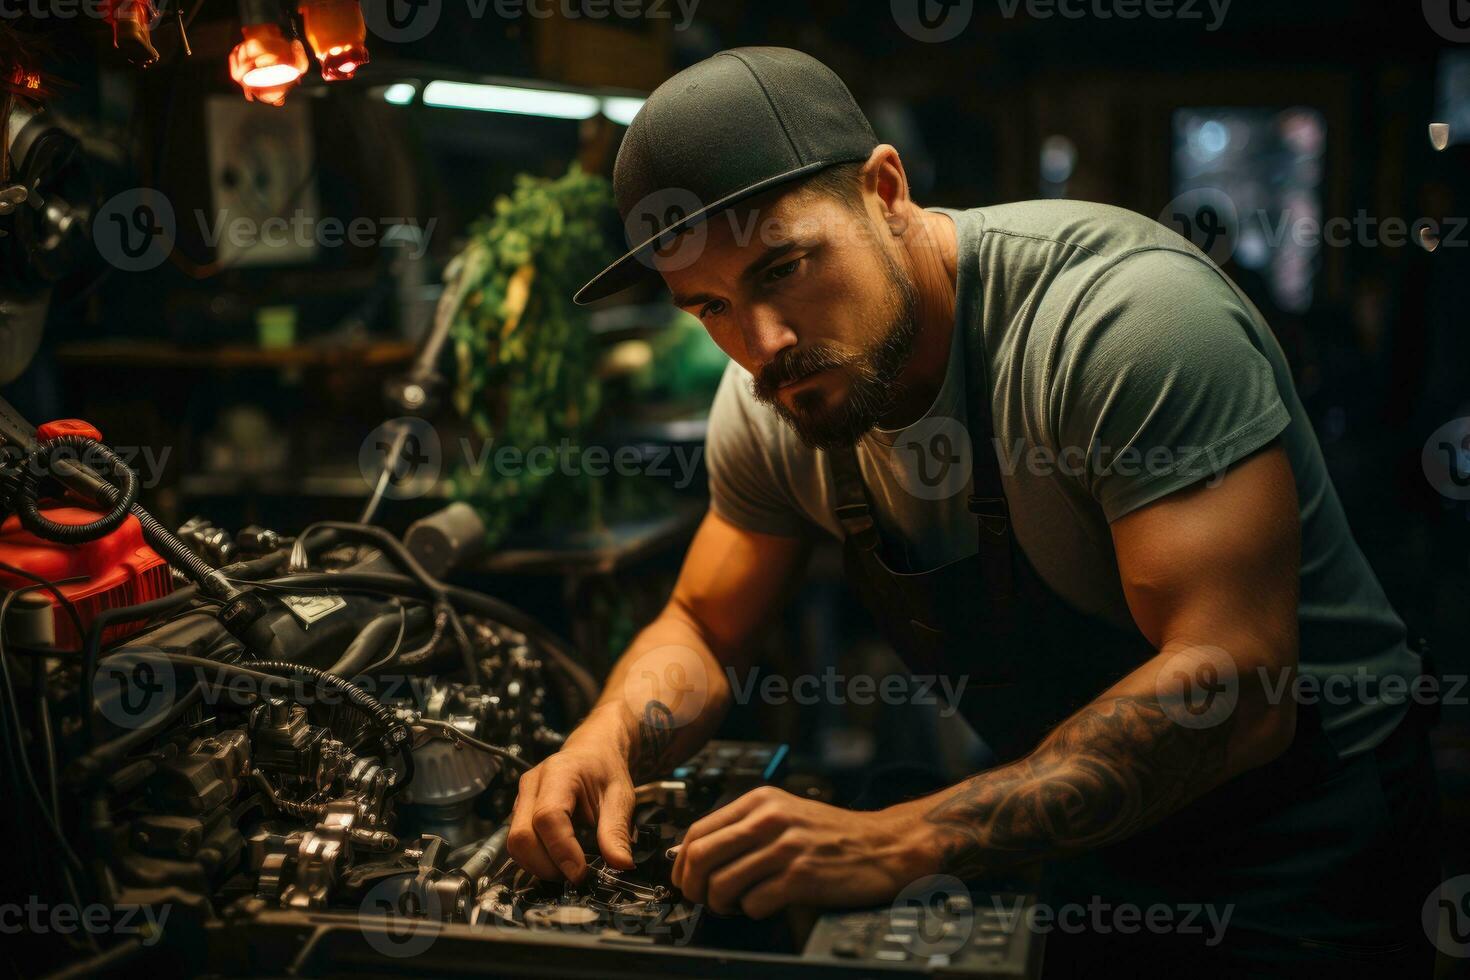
(1287, 846)
(1030, 657)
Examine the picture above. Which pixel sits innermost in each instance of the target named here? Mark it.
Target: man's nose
(765, 334)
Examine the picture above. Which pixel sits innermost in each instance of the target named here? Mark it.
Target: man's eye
(783, 270)
(712, 308)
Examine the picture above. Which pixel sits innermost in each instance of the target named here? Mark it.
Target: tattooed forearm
(1110, 770)
(655, 753)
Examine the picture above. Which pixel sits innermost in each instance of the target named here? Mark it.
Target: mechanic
(1140, 556)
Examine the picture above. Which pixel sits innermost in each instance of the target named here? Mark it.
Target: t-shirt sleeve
(744, 486)
(1159, 383)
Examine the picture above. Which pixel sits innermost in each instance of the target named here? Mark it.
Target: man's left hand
(770, 849)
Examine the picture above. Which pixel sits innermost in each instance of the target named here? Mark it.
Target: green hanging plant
(526, 363)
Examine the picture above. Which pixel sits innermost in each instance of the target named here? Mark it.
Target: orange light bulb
(337, 35)
(266, 64)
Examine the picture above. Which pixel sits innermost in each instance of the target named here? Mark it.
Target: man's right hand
(588, 781)
(731, 582)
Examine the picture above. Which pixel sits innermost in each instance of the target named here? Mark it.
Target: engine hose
(582, 682)
(396, 735)
(42, 460)
(368, 645)
(39, 461)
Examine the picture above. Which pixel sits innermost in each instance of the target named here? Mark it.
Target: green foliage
(526, 363)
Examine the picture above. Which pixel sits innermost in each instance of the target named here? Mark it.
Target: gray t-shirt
(1124, 366)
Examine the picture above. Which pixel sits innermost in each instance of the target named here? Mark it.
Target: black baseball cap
(730, 127)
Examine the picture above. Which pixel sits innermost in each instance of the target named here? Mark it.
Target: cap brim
(635, 267)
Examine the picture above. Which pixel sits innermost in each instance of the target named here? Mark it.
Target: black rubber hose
(399, 553)
(489, 606)
(97, 763)
(38, 462)
(368, 645)
(91, 647)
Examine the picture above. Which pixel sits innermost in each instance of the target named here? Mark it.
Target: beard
(872, 373)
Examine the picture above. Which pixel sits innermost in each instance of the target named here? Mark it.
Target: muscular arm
(1211, 577)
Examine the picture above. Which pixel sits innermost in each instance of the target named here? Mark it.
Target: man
(1068, 466)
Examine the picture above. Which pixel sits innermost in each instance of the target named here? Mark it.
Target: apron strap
(987, 497)
(854, 512)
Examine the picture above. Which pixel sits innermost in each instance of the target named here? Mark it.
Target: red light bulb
(266, 64)
(337, 35)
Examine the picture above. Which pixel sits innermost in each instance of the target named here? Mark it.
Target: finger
(523, 844)
(728, 885)
(707, 855)
(771, 896)
(552, 818)
(708, 824)
(613, 839)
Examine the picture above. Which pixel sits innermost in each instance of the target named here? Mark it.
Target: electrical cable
(456, 735)
(400, 554)
(49, 818)
(477, 602)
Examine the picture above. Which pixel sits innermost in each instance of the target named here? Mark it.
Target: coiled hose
(42, 460)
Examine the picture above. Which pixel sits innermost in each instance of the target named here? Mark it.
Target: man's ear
(885, 182)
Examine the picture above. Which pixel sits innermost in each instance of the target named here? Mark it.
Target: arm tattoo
(1108, 771)
(655, 741)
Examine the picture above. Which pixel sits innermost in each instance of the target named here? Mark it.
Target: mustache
(793, 365)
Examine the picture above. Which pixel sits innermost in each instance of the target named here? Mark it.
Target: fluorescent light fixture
(505, 98)
(621, 109)
(399, 93)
